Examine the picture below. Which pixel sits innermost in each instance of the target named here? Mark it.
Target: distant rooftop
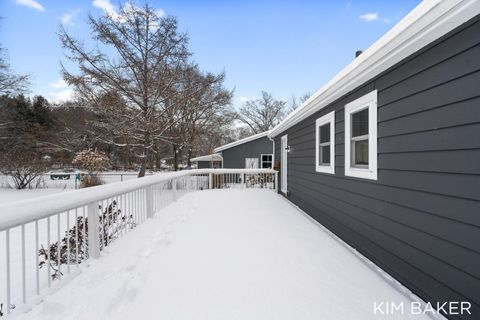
(208, 157)
(241, 141)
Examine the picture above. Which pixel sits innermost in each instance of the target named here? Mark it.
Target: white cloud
(62, 92)
(62, 95)
(369, 17)
(31, 4)
(67, 18)
(244, 99)
(109, 8)
(58, 84)
(106, 6)
(161, 13)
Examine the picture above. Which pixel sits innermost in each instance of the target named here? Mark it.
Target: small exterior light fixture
(288, 149)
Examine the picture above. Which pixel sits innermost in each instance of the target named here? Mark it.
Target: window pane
(361, 152)
(360, 123)
(325, 155)
(325, 133)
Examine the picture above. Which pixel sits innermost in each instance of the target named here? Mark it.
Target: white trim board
(426, 23)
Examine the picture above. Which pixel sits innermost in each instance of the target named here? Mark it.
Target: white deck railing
(46, 238)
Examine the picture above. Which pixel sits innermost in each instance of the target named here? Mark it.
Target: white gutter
(430, 20)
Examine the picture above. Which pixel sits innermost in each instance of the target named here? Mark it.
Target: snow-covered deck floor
(225, 254)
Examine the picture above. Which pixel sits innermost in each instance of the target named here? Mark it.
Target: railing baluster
(37, 268)
(76, 238)
(7, 252)
(86, 240)
(59, 249)
(93, 230)
(49, 272)
(24, 271)
(68, 241)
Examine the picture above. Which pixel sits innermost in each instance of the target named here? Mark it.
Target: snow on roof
(241, 141)
(215, 255)
(426, 23)
(208, 157)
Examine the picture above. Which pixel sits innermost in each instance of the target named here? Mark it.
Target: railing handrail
(26, 211)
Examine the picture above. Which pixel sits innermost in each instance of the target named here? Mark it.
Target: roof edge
(241, 141)
(208, 157)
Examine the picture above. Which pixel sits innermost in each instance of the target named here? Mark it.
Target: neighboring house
(209, 161)
(252, 152)
(387, 154)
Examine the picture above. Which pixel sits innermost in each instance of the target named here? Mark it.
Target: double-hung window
(361, 137)
(267, 160)
(325, 143)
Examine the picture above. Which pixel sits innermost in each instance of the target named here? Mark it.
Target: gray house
(213, 161)
(387, 154)
(252, 152)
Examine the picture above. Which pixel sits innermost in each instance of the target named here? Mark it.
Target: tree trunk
(175, 157)
(143, 168)
(144, 159)
(189, 163)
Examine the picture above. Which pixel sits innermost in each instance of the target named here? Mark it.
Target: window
(361, 137)
(251, 163)
(325, 143)
(267, 160)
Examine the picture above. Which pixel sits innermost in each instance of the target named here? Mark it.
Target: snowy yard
(225, 254)
(49, 186)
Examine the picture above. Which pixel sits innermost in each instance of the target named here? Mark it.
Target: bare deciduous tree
(205, 103)
(9, 81)
(262, 114)
(149, 53)
(297, 102)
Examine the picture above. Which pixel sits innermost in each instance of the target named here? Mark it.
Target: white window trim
(367, 101)
(328, 118)
(261, 159)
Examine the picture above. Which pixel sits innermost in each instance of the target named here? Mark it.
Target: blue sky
(283, 47)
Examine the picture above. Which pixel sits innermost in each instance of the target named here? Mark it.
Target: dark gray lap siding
(234, 158)
(420, 221)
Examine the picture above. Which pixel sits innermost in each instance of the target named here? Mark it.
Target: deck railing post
(243, 181)
(275, 185)
(174, 189)
(149, 201)
(93, 230)
(188, 182)
(210, 181)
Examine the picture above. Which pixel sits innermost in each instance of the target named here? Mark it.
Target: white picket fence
(45, 239)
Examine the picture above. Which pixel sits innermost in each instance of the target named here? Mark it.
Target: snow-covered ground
(49, 186)
(226, 254)
(46, 181)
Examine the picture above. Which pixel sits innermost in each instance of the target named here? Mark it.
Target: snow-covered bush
(93, 162)
(25, 168)
(73, 247)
